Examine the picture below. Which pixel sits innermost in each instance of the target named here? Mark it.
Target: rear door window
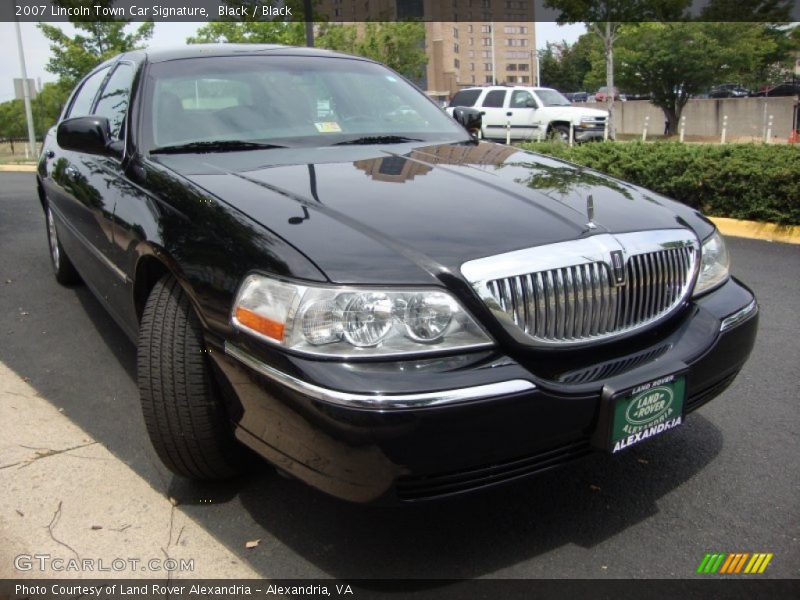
(494, 99)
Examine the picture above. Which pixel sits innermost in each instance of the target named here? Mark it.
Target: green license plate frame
(634, 414)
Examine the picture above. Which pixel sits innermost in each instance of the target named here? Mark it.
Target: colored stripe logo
(734, 563)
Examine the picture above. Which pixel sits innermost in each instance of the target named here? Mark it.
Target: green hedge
(745, 181)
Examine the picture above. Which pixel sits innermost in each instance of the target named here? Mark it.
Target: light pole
(26, 92)
(308, 9)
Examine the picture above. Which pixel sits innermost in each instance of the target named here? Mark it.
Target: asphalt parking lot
(725, 481)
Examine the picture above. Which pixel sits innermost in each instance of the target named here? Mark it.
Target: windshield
(286, 101)
(552, 98)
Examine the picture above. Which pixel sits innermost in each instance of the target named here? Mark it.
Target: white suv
(531, 113)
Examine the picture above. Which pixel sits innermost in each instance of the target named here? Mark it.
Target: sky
(37, 50)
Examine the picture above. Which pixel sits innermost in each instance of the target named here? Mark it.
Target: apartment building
(463, 54)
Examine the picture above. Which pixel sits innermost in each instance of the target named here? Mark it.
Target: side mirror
(85, 134)
(470, 119)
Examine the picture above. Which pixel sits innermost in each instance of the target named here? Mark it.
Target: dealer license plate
(647, 410)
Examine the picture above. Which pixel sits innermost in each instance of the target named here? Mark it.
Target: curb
(18, 168)
(755, 230)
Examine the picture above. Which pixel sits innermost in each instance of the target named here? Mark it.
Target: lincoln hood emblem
(590, 212)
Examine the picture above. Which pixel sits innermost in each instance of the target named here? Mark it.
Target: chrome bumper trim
(738, 316)
(380, 401)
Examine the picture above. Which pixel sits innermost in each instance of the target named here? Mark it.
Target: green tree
(12, 119)
(250, 32)
(564, 66)
(400, 45)
(604, 18)
(673, 61)
(74, 56)
(47, 106)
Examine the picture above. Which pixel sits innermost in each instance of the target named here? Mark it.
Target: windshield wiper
(377, 139)
(214, 146)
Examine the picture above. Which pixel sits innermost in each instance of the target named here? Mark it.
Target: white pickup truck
(530, 113)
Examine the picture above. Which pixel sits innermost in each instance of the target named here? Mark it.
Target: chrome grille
(575, 303)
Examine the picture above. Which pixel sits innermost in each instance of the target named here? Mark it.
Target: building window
(486, 28)
(516, 42)
(486, 41)
(489, 79)
(469, 28)
(472, 78)
(456, 63)
(486, 54)
(524, 79)
(487, 66)
(455, 32)
(517, 54)
(471, 54)
(518, 30)
(456, 48)
(511, 67)
(471, 41)
(472, 68)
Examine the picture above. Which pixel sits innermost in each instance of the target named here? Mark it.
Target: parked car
(787, 88)
(318, 264)
(601, 95)
(729, 90)
(530, 113)
(577, 96)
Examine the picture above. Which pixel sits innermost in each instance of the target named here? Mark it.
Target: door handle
(509, 113)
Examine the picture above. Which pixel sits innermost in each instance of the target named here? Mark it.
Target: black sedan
(318, 264)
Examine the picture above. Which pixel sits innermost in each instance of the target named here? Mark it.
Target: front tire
(63, 268)
(182, 407)
(559, 133)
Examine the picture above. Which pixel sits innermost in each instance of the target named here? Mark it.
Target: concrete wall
(747, 117)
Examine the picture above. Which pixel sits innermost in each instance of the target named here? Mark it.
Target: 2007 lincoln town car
(319, 264)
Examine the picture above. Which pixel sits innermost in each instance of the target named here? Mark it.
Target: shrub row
(744, 181)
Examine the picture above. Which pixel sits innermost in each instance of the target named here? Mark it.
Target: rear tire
(63, 268)
(182, 406)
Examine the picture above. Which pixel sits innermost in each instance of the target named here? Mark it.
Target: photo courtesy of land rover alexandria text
(319, 265)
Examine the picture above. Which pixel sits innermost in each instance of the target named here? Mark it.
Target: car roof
(505, 87)
(156, 55)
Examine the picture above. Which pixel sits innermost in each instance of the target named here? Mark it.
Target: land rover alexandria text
(320, 266)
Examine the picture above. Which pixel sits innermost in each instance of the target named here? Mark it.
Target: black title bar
(398, 10)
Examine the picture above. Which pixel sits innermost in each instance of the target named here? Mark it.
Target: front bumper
(588, 134)
(419, 429)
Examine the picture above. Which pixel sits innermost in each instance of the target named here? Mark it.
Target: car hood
(414, 213)
(572, 112)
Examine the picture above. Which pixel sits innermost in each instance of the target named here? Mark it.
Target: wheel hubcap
(52, 237)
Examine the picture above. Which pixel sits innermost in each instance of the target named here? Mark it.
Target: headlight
(350, 322)
(714, 264)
